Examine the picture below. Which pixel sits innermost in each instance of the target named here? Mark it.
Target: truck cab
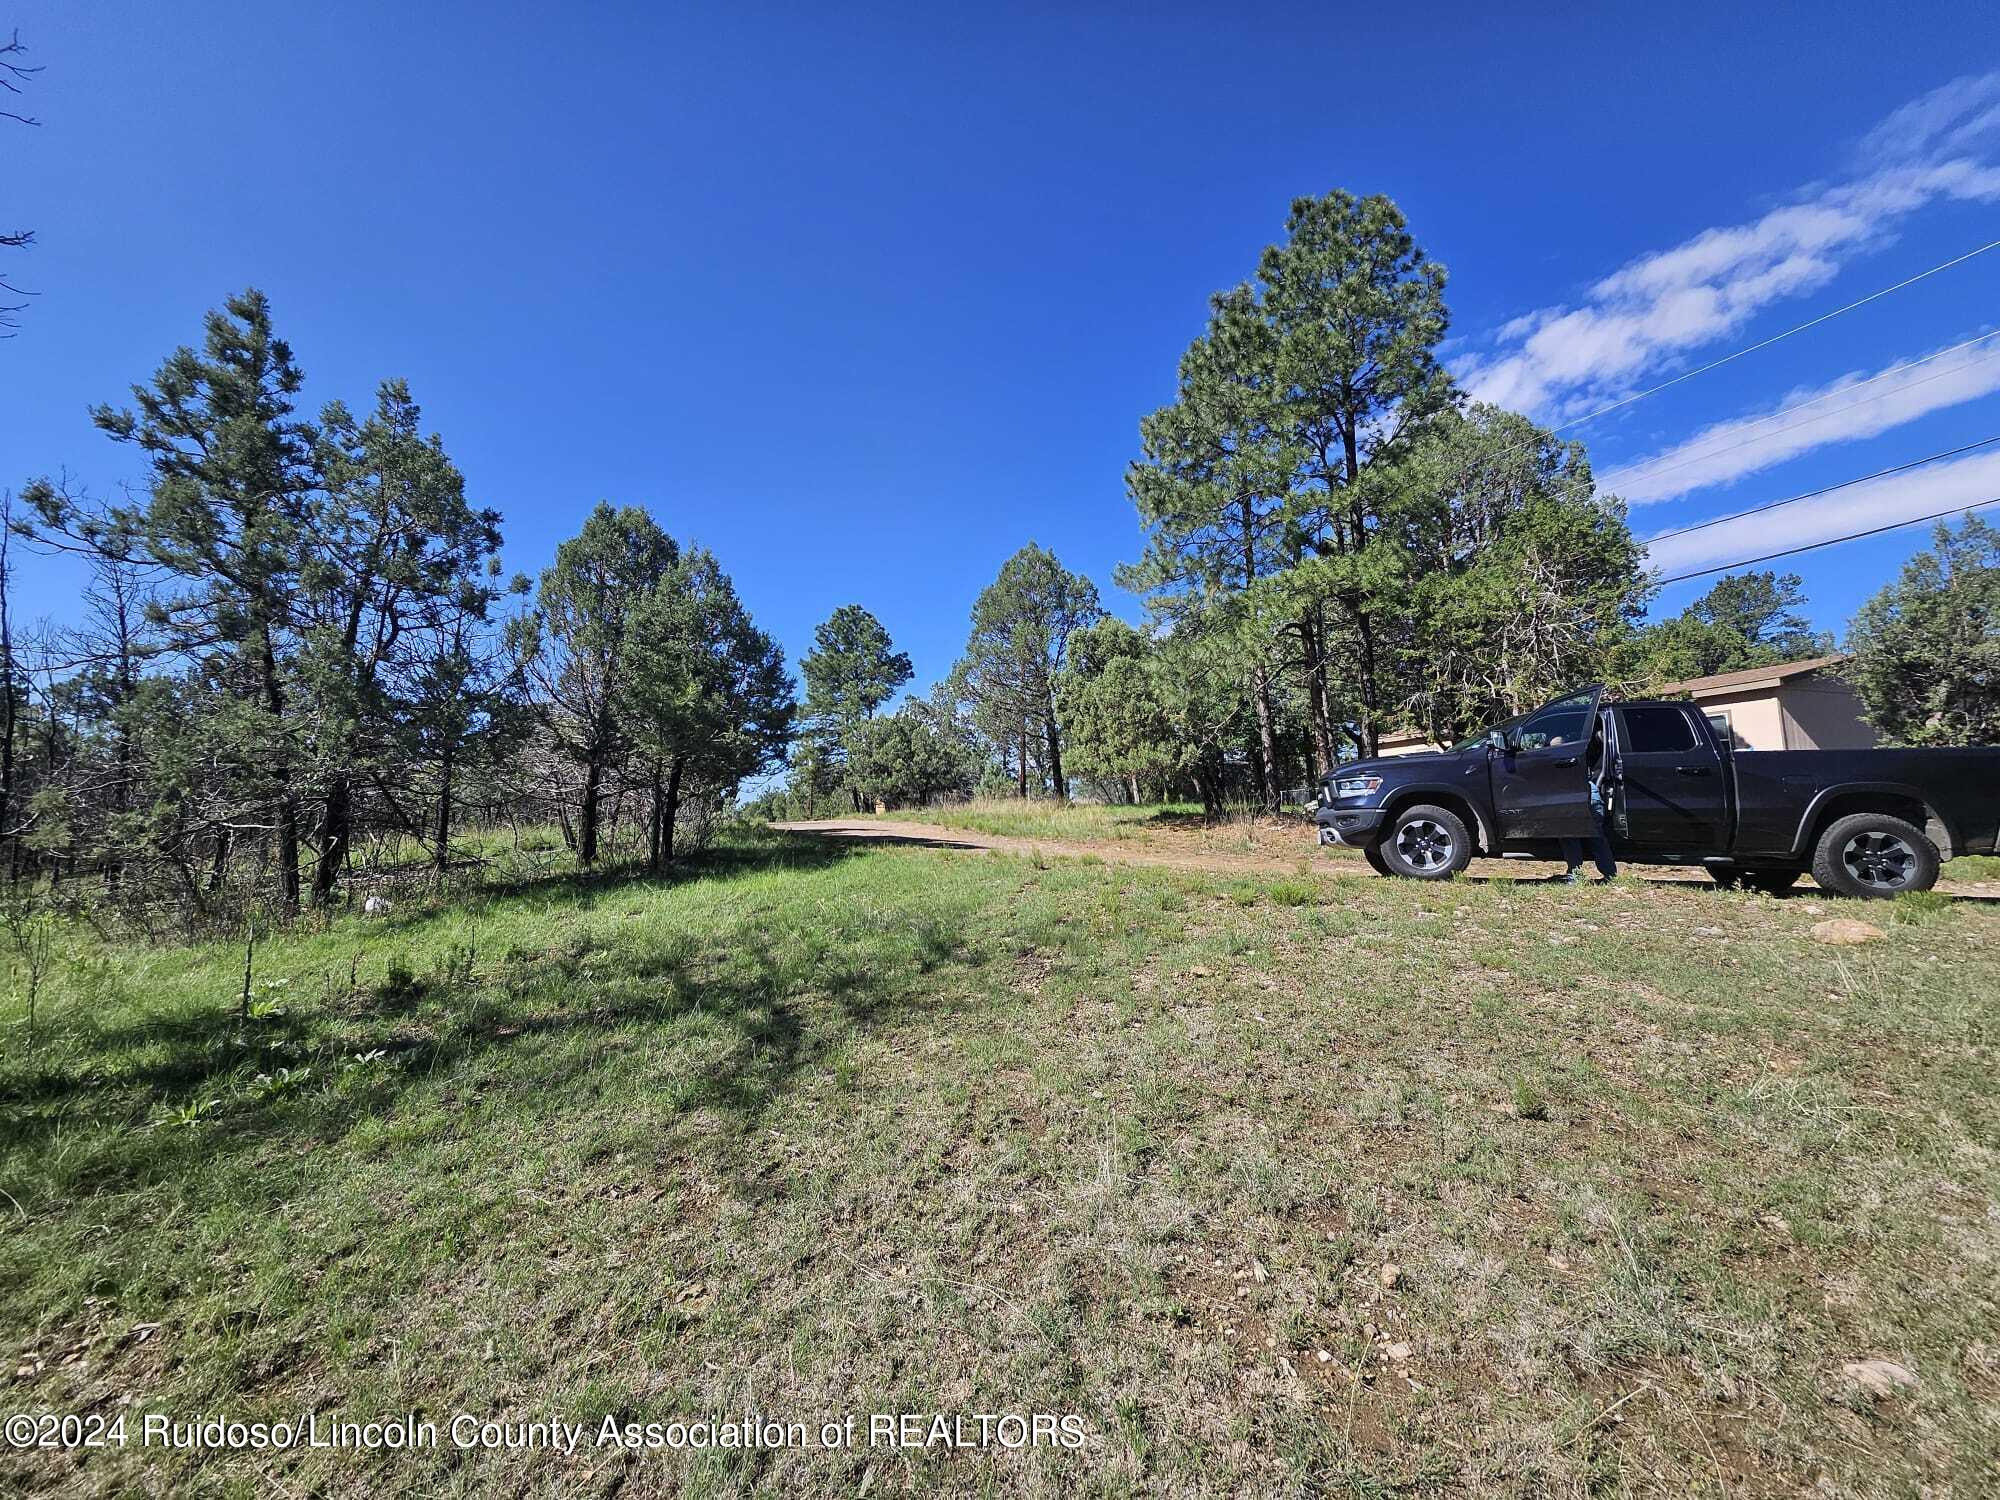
(1667, 790)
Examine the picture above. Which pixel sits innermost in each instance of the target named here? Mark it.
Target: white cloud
(1883, 502)
(1855, 406)
(1650, 314)
(1959, 116)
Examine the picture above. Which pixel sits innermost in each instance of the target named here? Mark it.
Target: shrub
(1528, 1101)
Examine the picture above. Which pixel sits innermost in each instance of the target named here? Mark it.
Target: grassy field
(811, 1133)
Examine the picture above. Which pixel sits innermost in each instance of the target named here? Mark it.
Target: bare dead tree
(14, 74)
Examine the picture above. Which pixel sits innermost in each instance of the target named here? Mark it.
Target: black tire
(1726, 877)
(1426, 843)
(1373, 854)
(1872, 856)
(1770, 882)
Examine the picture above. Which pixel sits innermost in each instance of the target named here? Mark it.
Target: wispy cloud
(1884, 502)
(1857, 405)
(1655, 311)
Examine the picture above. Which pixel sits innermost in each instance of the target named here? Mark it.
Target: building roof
(1752, 678)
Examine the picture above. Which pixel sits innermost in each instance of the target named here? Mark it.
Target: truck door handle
(1566, 761)
(1692, 770)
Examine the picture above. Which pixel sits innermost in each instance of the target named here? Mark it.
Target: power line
(1653, 469)
(1915, 463)
(1716, 364)
(1832, 541)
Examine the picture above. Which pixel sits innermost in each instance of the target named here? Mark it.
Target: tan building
(1799, 705)
(1405, 742)
(1796, 705)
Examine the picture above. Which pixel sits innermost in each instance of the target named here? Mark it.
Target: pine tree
(1021, 628)
(1926, 650)
(575, 645)
(397, 555)
(852, 670)
(227, 515)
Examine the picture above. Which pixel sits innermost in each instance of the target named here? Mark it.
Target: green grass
(1973, 867)
(813, 1132)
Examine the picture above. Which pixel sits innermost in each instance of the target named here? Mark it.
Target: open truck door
(1541, 773)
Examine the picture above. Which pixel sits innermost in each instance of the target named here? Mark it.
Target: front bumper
(1348, 825)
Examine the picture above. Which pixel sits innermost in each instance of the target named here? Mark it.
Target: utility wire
(1652, 469)
(1832, 541)
(1716, 364)
(1758, 510)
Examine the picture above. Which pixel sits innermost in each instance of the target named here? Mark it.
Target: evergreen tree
(398, 556)
(1746, 620)
(915, 754)
(1270, 474)
(851, 672)
(574, 649)
(708, 697)
(1523, 579)
(1214, 492)
(228, 515)
(1926, 650)
(1022, 624)
(1356, 311)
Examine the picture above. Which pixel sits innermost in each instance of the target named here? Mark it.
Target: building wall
(1823, 713)
(1403, 744)
(1756, 722)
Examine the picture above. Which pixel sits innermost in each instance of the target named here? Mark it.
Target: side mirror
(1496, 739)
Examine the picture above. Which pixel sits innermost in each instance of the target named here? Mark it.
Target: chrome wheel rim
(1423, 844)
(1880, 861)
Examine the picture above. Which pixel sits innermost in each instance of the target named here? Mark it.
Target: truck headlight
(1356, 786)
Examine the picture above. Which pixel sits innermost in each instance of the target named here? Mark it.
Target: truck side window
(1657, 729)
(1563, 723)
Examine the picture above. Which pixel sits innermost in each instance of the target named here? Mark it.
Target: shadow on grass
(763, 854)
(783, 1006)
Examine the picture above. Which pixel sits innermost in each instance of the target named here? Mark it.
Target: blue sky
(864, 298)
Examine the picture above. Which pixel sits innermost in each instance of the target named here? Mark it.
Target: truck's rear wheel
(1426, 843)
(1874, 856)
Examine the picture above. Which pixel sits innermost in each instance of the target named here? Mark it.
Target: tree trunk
(288, 806)
(672, 810)
(1370, 729)
(1056, 778)
(1208, 787)
(586, 818)
(335, 834)
(220, 864)
(656, 858)
(1364, 624)
(1267, 736)
(1134, 778)
(1024, 759)
(1312, 633)
(8, 704)
(441, 826)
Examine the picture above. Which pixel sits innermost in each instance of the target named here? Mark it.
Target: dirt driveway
(1134, 852)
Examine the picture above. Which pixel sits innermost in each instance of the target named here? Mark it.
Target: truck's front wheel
(1426, 843)
(1874, 856)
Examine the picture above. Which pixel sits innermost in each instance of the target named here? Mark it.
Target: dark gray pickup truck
(1869, 823)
